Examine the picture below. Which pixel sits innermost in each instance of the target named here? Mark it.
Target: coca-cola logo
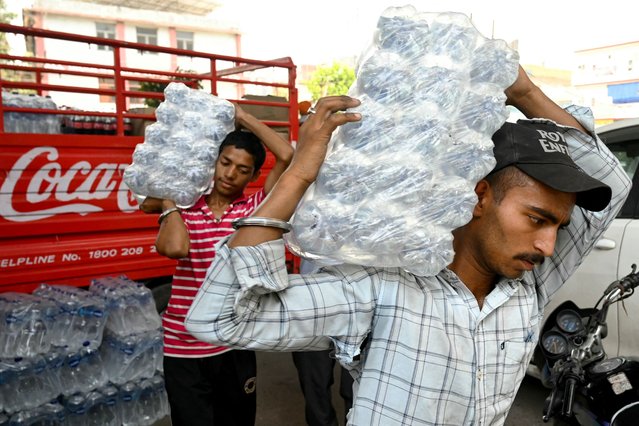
(76, 189)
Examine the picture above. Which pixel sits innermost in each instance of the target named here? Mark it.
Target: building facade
(122, 20)
(607, 79)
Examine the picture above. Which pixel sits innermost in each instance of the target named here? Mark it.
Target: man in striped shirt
(207, 384)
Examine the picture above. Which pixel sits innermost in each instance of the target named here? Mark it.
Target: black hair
(248, 142)
(502, 180)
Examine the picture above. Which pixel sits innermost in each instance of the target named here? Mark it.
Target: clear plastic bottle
(40, 121)
(27, 385)
(51, 414)
(31, 118)
(147, 403)
(98, 412)
(20, 121)
(111, 414)
(128, 403)
(164, 408)
(52, 120)
(8, 100)
(76, 407)
(25, 324)
(7, 377)
(82, 371)
(131, 357)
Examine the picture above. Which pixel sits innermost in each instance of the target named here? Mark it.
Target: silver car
(614, 253)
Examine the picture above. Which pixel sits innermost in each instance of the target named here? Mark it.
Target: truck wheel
(161, 295)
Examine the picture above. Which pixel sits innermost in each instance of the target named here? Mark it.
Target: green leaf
(331, 80)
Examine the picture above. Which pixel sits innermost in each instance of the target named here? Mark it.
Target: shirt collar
(201, 202)
(526, 279)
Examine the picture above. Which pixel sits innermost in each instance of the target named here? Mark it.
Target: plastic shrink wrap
(395, 184)
(176, 161)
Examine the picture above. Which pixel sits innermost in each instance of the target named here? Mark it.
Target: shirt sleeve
(249, 301)
(258, 197)
(576, 240)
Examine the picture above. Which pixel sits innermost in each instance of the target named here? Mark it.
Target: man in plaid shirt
(450, 349)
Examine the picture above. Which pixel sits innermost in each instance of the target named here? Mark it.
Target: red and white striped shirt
(205, 230)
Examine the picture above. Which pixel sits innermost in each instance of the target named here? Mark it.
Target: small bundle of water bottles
(70, 356)
(29, 122)
(176, 161)
(395, 184)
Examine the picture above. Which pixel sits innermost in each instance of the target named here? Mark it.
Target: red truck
(66, 216)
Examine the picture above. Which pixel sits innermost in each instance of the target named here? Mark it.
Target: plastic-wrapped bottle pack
(177, 158)
(130, 304)
(395, 184)
(27, 324)
(80, 317)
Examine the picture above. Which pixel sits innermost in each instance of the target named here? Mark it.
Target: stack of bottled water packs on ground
(177, 159)
(132, 346)
(395, 184)
(57, 357)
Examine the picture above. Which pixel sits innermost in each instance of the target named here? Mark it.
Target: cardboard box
(267, 112)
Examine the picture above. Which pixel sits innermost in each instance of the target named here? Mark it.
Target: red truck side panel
(65, 214)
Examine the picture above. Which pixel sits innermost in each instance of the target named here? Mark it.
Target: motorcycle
(588, 387)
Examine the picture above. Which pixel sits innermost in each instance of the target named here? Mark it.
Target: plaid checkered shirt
(421, 350)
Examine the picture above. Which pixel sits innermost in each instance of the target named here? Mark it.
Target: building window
(106, 83)
(184, 40)
(147, 36)
(104, 30)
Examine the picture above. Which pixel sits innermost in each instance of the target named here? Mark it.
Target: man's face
(234, 169)
(520, 231)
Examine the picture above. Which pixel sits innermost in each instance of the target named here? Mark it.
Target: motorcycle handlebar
(626, 283)
(569, 397)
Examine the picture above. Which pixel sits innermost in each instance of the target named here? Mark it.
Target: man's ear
(256, 175)
(484, 193)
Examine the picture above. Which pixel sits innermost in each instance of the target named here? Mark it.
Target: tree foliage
(5, 18)
(331, 80)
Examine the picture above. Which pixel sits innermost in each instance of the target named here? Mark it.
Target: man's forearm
(533, 102)
(309, 156)
(279, 204)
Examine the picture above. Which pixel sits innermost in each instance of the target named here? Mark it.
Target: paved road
(280, 401)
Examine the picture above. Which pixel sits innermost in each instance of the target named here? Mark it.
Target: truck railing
(66, 216)
(222, 69)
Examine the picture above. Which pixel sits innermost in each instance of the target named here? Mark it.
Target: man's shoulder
(353, 273)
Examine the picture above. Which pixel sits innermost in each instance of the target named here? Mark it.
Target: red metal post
(213, 77)
(120, 102)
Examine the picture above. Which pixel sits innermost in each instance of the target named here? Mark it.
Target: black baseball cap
(538, 148)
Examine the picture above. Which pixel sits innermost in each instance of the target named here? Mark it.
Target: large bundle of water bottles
(70, 356)
(176, 161)
(395, 184)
